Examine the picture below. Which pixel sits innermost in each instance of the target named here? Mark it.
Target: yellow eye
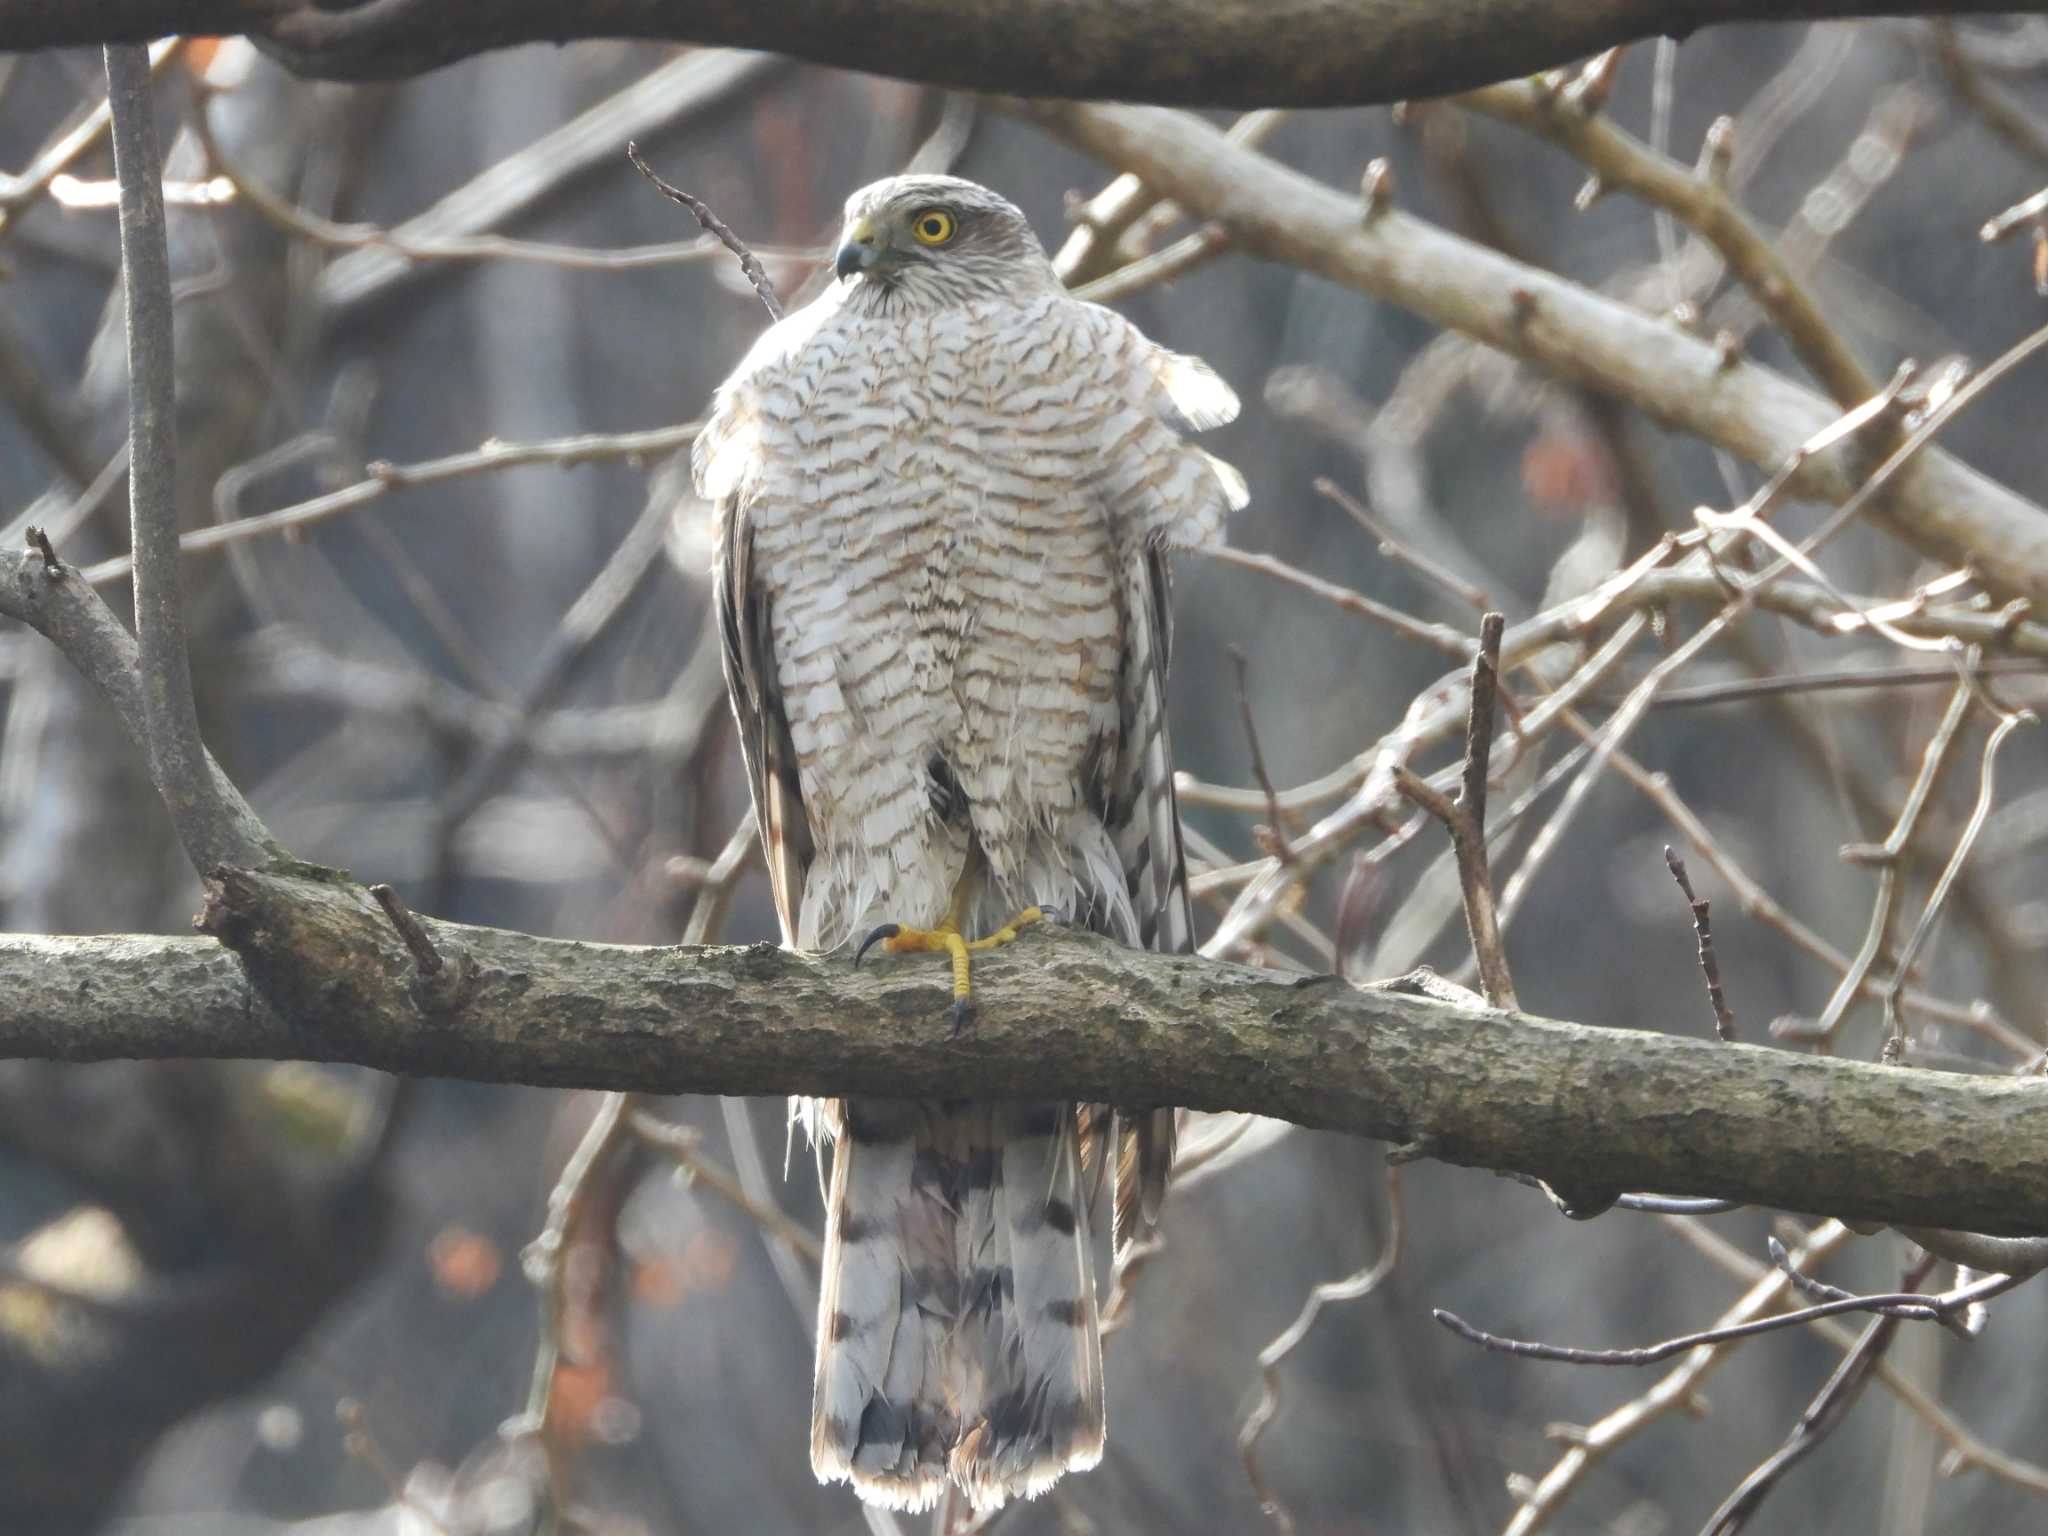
(934, 226)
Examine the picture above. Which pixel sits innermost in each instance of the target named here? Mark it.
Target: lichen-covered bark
(317, 973)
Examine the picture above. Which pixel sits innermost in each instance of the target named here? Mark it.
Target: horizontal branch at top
(314, 970)
(1186, 52)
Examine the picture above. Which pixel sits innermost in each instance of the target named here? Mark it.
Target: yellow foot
(947, 939)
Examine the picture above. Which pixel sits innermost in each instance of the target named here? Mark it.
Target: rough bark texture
(1241, 53)
(320, 974)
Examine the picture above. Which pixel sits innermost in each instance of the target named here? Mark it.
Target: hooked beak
(863, 250)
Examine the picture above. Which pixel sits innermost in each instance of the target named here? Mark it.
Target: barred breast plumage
(945, 488)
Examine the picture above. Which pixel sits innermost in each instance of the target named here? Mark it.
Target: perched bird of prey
(946, 490)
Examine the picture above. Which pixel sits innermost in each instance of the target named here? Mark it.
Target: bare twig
(1465, 817)
(1351, 1288)
(1910, 1305)
(383, 478)
(2024, 214)
(1441, 636)
(1758, 903)
(424, 954)
(1966, 1452)
(1430, 570)
(1710, 965)
(692, 82)
(1847, 679)
(1827, 1410)
(686, 1146)
(1895, 1033)
(39, 541)
(716, 227)
(1678, 1389)
(1933, 760)
(1276, 817)
(1161, 266)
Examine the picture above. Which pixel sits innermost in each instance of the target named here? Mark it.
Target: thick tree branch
(1307, 53)
(211, 823)
(1940, 507)
(315, 971)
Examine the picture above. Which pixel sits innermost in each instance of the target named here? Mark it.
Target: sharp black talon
(960, 1015)
(886, 931)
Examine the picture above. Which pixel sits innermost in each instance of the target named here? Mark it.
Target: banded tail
(957, 1334)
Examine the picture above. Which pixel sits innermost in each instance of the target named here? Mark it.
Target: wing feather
(743, 621)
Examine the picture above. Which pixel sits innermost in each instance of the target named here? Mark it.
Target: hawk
(945, 490)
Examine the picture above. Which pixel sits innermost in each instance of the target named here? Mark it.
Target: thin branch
(1436, 574)
(718, 229)
(1276, 818)
(1710, 964)
(1465, 817)
(1820, 1419)
(1909, 1305)
(1934, 760)
(383, 478)
(206, 821)
(1678, 1389)
(686, 1146)
(1895, 1034)
(1441, 636)
(1350, 1288)
(1844, 680)
(1161, 266)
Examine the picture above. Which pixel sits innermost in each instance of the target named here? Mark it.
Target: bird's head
(929, 242)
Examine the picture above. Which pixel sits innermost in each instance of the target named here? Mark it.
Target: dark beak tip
(853, 257)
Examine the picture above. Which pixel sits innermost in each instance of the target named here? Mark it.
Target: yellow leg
(946, 939)
(1009, 931)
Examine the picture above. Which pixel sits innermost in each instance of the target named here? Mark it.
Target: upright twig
(1275, 815)
(211, 833)
(1710, 964)
(1465, 818)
